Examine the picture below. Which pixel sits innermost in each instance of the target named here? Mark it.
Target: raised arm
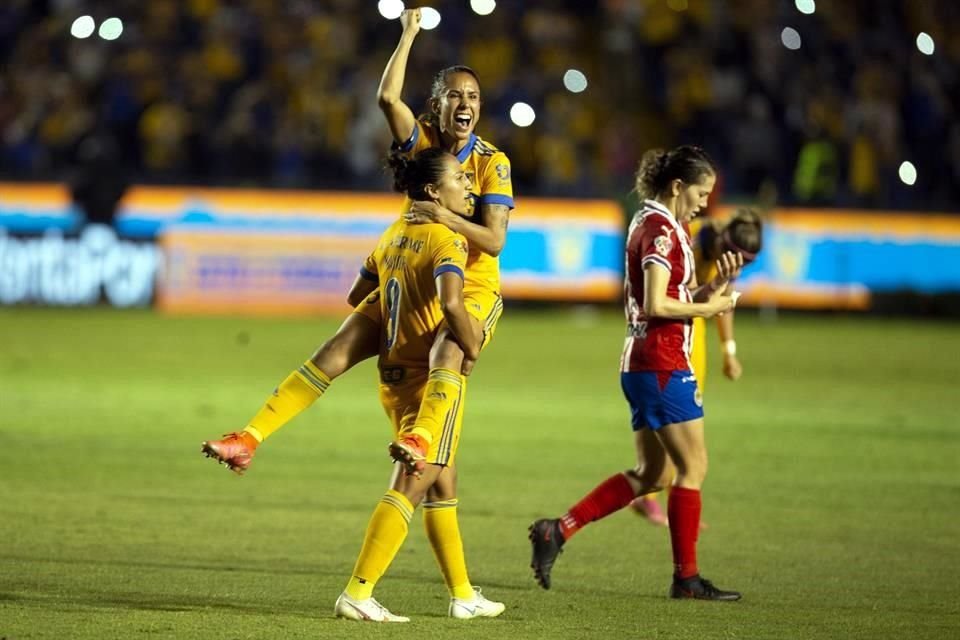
(399, 116)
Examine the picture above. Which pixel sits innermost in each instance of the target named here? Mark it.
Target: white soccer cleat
(476, 607)
(368, 610)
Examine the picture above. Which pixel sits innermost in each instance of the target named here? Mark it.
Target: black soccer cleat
(699, 588)
(547, 542)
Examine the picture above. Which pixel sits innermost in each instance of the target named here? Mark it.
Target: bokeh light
(790, 38)
(83, 27)
(908, 173)
(483, 7)
(807, 7)
(925, 43)
(574, 80)
(111, 28)
(390, 9)
(429, 18)
(522, 114)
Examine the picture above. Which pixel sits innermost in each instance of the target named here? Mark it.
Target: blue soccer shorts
(659, 398)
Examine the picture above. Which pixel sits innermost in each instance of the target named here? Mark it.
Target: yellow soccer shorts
(698, 354)
(485, 305)
(401, 391)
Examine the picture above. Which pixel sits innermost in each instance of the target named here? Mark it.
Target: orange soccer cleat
(411, 452)
(235, 450)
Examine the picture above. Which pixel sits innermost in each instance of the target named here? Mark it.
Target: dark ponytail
(659, 168)
(412, 175)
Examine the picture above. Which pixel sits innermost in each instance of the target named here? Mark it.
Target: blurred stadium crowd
(262, 92)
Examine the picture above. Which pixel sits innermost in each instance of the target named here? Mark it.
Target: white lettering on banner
(59, 271)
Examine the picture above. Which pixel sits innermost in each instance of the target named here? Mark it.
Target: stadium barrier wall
(235, 250)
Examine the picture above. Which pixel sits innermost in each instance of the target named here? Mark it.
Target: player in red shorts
(661, 297)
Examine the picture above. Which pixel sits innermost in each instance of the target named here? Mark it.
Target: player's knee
(644, 479)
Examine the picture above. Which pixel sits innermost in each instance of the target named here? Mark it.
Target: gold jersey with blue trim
(405, 264)
(489, 171)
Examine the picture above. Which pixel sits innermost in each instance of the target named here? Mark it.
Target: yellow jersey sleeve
(421, 138)
(450, 254)
(496, 185)
(369, 270)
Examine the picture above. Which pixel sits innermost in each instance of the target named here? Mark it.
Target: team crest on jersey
(663, 245)
(503, 172)
(458, 243)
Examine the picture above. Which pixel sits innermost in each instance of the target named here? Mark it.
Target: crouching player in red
(661, 297)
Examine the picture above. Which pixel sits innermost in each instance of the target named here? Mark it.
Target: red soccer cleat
(235, 450)
(411, 452)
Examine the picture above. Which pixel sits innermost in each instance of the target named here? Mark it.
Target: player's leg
(548, 536)
(683, 440)
(356, 340)
(443, 531)
(445, 382)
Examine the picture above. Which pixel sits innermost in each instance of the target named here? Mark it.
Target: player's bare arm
(488, 237)
(399, 116)
(360, 289)
(450, 293)
(657, 304)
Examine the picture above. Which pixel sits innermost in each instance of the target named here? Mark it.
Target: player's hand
(729, 265)
(732, 368)
(410, 21)
(424, 212)
(467, 367)
(720, 304)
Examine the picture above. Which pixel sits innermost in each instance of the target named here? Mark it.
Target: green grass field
(832, 496)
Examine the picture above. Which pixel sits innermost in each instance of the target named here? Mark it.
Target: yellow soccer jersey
(405, 263)
(489, 171)
(703, 235)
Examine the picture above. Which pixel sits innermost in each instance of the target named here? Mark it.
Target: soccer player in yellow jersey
(419, 274)
(743, 234)
(455, 109)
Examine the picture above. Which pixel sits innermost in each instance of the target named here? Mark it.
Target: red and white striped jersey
(657, 241)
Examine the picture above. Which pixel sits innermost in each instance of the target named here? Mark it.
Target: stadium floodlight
(83, 27)
(908, 173)
(522, 114)
(429, 18)
(574, 80)
(483, 7)
(390, 9)
(807, 7)
(790, 38)
(925, 43)
(110, 29)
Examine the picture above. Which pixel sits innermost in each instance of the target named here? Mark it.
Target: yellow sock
(296, 393)
(385, 533)
(439, 396)
(443, 531)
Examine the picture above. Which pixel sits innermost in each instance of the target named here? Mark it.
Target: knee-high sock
(443, 531)
(297, 392)
(439, 398)
(683, 512)
(385, 534)
(608, 497)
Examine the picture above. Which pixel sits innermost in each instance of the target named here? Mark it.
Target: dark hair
(440, 80)
(744, 233)
(412, 175)
(439, 84)
(659, 168)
